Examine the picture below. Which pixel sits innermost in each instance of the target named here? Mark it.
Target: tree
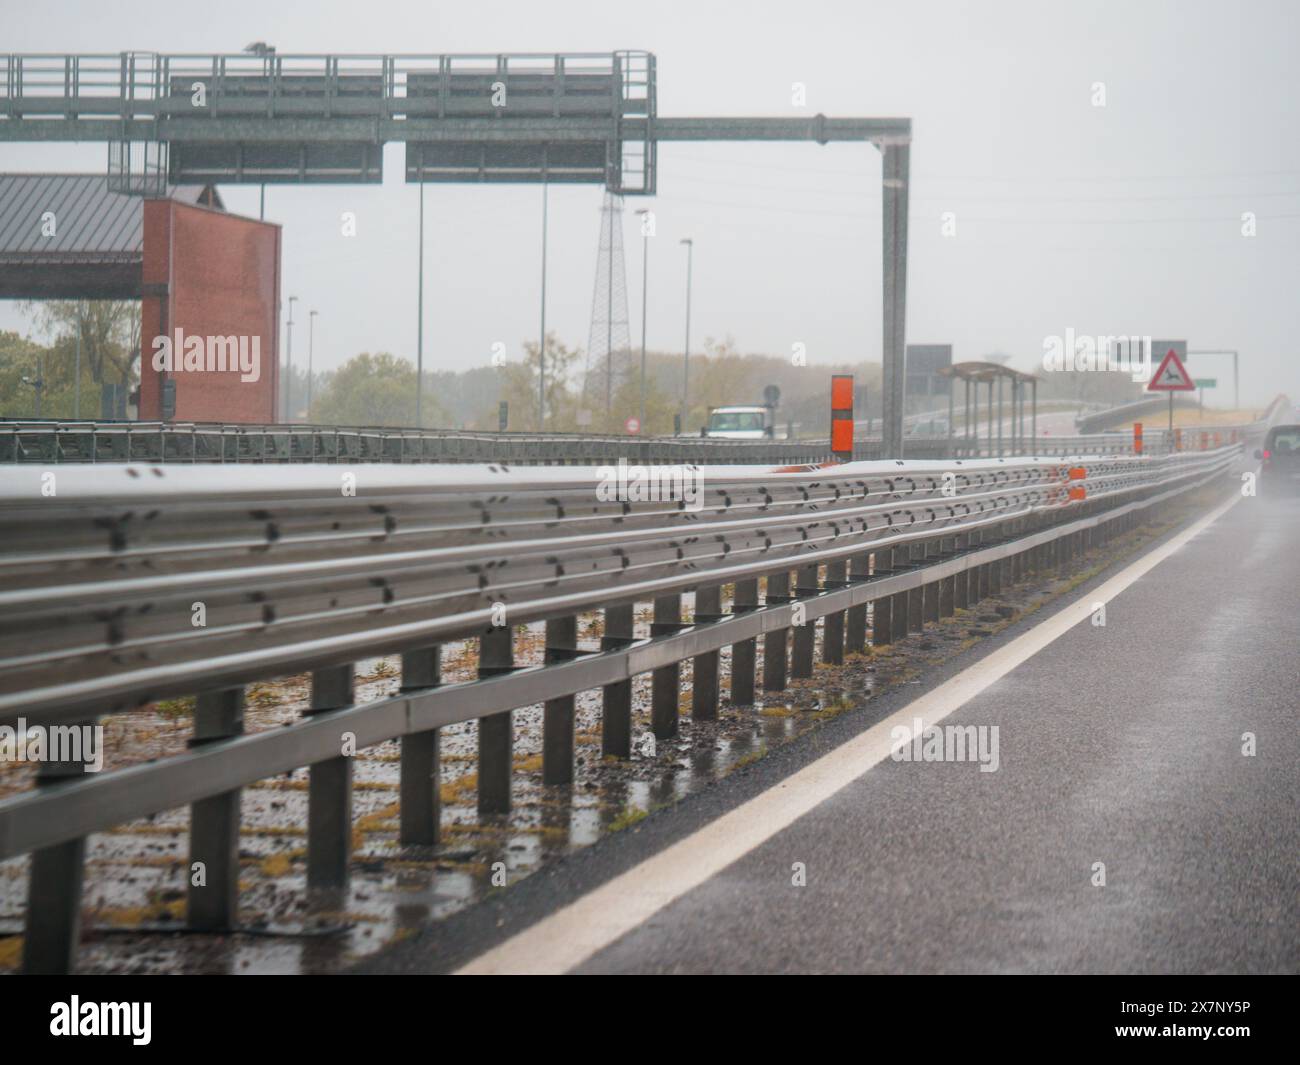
(374, 390)
(520, 384)
(110, 335)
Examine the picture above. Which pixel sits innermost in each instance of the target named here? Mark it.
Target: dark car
(1280, 459)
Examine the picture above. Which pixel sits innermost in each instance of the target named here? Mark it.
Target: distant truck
(741, 423)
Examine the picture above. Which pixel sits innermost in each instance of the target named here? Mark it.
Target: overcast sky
(1125, 218)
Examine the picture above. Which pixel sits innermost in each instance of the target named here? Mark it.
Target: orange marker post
(1137, 438)
(842, 416)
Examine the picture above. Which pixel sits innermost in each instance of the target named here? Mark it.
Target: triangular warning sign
(1171, 375)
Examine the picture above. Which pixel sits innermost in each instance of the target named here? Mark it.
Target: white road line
(570, 936)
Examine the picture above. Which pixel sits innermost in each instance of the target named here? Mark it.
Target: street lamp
(311, 345)
(686, 358)
(645, 275)
(541, 342)
(39, 384)
(288, 367)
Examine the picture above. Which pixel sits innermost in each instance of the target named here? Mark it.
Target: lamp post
(1236, 391)
(419, 314)
(686, 358)
(288, 367)
(646, 215)
(541, 343)
(311, 346)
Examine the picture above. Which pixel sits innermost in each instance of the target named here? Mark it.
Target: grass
(750, 758)
(174, 709)
(630, 816)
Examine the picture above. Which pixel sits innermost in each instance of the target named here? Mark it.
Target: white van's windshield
(735, 421)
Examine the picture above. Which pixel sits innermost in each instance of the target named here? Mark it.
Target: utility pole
(541, 343)
(686, 359)
(288, 367)
(39, 384)
(419, 314)
(645, 275)
(311, 347)
(1236, 392)
(76, 393)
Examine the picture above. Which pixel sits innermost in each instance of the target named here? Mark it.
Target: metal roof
(979, 371)
(92, 223)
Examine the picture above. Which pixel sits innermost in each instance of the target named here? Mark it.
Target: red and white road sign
(633, 424)
(1171, 375)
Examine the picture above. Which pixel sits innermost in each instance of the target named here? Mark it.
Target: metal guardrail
(318, 567)
(170, 442)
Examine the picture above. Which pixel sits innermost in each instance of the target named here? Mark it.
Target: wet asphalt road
(1120, 744)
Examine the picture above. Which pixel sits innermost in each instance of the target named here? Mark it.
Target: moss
(750, 758)
(453, 792)
(630, 816)
(174, 709)
(276, 865)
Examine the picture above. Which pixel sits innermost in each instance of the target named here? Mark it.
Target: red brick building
(204, 277)
(209, 275)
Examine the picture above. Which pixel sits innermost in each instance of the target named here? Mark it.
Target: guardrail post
(665, 682)
(744, 654)
(961, 581)
(495, 731)
(916, 596)
(948, 585)
(54, 884)
(616, 698)
(805, 635)
(775, 643)
(704, 668)
(882, 608)
(801, 655)
(329, 788)
(900, 602)
(931, 590)
(855, 629)
(833, 625)
(984, 576)
(971, 573)
(557, 713)
(212, 905)
(419, 798)
(995, 568)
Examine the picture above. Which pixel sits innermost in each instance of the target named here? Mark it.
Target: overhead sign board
(924, 361)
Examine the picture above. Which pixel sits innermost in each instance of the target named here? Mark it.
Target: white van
(740, 423)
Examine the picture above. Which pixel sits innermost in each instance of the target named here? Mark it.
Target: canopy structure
(70, 236)
(991, 374)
